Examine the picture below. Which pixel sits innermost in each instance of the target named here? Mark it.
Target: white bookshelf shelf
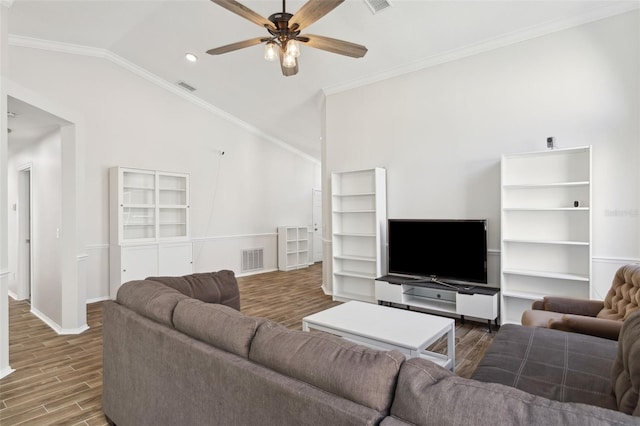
(559, 242)
(546, 236)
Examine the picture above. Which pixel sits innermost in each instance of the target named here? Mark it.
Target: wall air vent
(252, 259)
(186, 86)
(378, 5)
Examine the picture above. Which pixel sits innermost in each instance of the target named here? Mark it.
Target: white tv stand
(457, 299)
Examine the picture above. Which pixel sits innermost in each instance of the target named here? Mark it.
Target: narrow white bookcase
(359, 232)
(293, 247)
(148, 225)
(546, 228)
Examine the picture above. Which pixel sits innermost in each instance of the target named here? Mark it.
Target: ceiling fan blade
(287, 72)
(245, 12)
(333, 45)
(236, 46)
(311, 11)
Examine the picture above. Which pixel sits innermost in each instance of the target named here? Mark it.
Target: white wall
(5, 368)
(44, 157)
(130, 121)
(440, 132)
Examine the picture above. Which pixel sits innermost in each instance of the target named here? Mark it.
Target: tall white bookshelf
(359, 229)
(546, 228)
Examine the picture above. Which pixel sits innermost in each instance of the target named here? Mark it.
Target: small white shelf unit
(546, 228)
(359, 229)
(148, 225)
(293, 247)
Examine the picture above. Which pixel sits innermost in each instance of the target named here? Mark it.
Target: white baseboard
(261, 271)
(98, 299)
(6, 371)
(56, 327)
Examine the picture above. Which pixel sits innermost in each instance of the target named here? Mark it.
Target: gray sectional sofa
(171, 358)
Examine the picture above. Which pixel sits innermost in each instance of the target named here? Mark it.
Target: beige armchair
(597, 318)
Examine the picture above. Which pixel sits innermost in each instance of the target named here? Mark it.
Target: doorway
(25, 215)
(46, 136)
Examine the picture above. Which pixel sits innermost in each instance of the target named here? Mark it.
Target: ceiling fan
(284, 29)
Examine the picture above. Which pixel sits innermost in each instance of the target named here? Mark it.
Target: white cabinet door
(175, 259)
(139, 262)
(477, 305)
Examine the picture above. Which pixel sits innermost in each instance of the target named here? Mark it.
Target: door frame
(73, 309)
(316, 229)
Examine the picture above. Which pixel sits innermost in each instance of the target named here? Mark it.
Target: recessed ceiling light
(191, 57)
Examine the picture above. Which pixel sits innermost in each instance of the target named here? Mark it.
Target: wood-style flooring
(58, 379)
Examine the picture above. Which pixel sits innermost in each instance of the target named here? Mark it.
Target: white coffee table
(384, 327)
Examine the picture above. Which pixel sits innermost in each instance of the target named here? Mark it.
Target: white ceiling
(28, 123)
(412, 34)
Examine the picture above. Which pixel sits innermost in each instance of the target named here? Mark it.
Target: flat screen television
(453, 251)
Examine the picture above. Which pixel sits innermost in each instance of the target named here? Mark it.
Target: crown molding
(487, 45)
(75, 49)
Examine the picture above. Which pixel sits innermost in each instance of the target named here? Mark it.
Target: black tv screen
(451, 250)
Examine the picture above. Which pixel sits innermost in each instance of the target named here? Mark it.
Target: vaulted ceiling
(409, 35)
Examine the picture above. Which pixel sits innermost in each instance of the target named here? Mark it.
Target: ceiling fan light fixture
(289, 61)
(293, 48)
(191, 57)
(285, 33)
(270, 51)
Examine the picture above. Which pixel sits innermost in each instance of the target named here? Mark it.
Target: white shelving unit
(546, 228)
(149, 225)
(359, 222)
(293, 247)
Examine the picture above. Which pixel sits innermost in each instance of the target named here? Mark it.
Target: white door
(317, 225)
(24, 233)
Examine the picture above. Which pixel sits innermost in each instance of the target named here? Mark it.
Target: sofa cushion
(626, 368)
(151, 299)
(218, 325)
(211, 287)
(429, 394)
(355, 372)
(568, 367)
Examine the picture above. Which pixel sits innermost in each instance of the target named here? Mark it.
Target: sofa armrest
(606, 328)
(538, 305)
(566, 305)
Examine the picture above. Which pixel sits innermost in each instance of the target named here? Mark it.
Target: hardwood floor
(58, 379)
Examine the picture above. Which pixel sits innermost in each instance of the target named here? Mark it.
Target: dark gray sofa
(172, 359)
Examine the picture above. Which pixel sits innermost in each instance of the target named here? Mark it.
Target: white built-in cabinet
(359, 232)
(546, 228)
(148, 225)
(293, 247)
